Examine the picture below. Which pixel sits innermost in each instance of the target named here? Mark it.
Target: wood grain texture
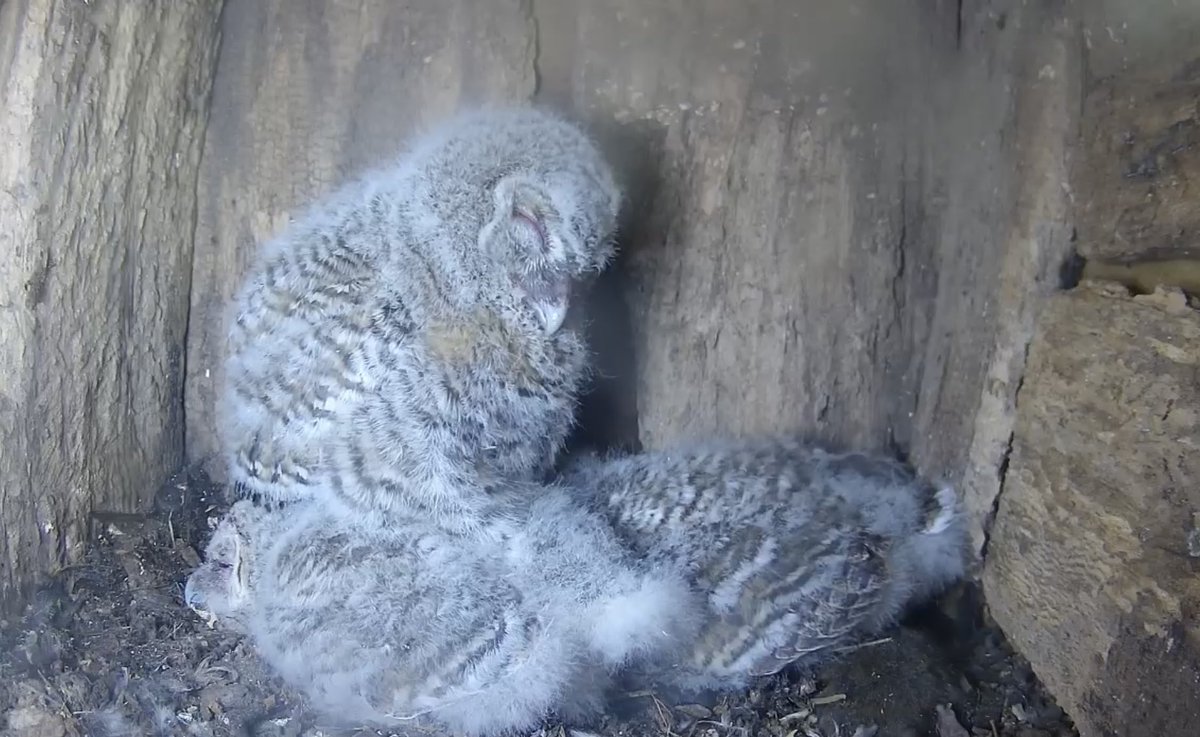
(102, 111)
(1093, 560)
(308, 93)
(1139, 169)
(764, 267)
(1002, 262)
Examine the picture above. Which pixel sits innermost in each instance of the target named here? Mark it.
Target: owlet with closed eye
(401, 345)
(408, 625)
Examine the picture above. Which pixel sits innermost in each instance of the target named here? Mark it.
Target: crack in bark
(528, 7)
(1002, 469)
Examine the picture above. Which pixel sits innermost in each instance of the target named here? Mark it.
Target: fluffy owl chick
(796, 548)
(408, 625)
(401, 345)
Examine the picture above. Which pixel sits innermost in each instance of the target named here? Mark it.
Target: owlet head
(544, 200)
(220, 587)
(549, 231)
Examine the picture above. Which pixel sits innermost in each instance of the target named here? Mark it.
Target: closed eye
(534, 223)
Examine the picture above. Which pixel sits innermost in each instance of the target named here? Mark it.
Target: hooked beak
(193, 598)
(549, 296)
(551, 315)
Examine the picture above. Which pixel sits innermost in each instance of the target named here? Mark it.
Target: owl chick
(401, 346)
(797, 549)
(410, 625)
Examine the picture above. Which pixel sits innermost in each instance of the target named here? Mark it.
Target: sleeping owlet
(797, 549)
(400, 347)
(408, 624)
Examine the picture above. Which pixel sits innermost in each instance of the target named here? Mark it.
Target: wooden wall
(102, 112)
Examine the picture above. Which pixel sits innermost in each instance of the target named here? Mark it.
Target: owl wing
(777, 599)
(846, 586)
(298, 345)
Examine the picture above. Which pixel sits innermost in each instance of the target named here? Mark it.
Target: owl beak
(551, 315)
(548, 295)
(193, 598)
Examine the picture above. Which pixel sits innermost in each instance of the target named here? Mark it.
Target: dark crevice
(607, 416)
(1002, 470)
(1166, 414)
(901, 249)
(1070, 272)
(990, 520)
(895, 448)
(958, 24)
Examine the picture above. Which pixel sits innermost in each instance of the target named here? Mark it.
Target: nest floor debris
(108, 648)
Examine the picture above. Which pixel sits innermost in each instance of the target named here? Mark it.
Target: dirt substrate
(109, 649)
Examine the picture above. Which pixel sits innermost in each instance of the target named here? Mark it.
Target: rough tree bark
(1092, 564)
(102, 111)
(1139, 168)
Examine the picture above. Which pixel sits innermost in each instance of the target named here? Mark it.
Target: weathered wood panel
(102, 111)
(1138, 175)
(765, 266)
(1093, 560)
(309, 92)
(1006, 235)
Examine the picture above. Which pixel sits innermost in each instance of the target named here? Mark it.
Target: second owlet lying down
(401, 346)
(797, 549)
(411, 626)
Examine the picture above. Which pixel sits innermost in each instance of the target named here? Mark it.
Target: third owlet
(408, 625)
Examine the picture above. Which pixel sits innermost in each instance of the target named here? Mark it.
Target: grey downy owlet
(798, 550)
(406, 625)
(400, 347)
